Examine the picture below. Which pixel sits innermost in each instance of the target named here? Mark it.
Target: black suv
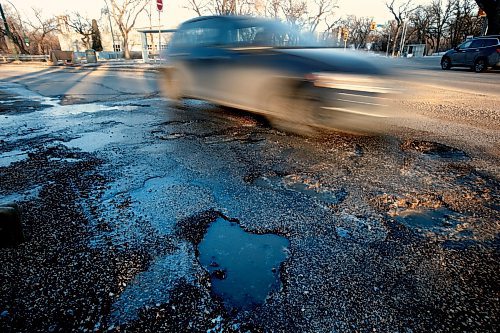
(478, 53)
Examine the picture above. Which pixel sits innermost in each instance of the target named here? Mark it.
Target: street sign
(159, 5)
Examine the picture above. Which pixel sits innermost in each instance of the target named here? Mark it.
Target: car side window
(195, 36)
(490, 42)
(261, 35)
(465, 45)
(477, 43)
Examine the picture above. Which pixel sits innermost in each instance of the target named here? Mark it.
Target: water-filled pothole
(244, 267)
(435, 220)
(304, 185)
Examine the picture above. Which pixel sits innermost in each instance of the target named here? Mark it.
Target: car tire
(445, 63)
(292, 112)
(480, 65)
(170, 84)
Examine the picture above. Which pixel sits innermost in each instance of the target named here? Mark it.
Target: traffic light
(481, 13)
(373, 26)
(345, 34)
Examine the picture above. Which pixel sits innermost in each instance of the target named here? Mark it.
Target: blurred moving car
(264, 66)
(478, 53)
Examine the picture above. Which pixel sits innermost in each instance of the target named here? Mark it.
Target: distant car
(478, 53)
(265, 67)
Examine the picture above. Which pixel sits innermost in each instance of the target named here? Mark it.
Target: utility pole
(110, 25)
(159, 6)
(388, 42)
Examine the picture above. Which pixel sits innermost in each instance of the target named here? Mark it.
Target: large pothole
(244, 267)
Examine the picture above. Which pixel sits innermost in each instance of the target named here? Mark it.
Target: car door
(472, 52)
(458, 57)
(252, 63)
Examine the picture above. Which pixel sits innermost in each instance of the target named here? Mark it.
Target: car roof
(488, 36)
(227, 18)
(219, 17)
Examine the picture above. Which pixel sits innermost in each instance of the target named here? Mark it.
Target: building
(73, 41)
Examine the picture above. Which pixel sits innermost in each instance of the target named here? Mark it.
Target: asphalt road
(396, 232)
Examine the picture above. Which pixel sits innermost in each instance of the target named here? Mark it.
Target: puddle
(435, 220)
(244, 267)
(94, 141)
(13, 156)
(309, 187)
(75, 109)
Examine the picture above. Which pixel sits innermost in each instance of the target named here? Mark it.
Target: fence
(23, 57)
(80, 56)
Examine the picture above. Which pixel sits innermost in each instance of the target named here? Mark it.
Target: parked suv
(478, 53)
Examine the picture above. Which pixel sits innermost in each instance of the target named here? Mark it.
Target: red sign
(159, 5)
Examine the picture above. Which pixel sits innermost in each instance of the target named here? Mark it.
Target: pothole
(434, 220)
(244, 267)
(434, 149)
(305, 185)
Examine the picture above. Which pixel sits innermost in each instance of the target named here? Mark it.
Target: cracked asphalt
(390, 233)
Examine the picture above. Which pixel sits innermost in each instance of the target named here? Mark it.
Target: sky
(174, 13)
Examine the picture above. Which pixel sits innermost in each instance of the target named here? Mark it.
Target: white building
(72, 41)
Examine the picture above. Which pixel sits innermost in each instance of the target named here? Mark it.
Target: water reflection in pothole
(429, 219)
(244, 267)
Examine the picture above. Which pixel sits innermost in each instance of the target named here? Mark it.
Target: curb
(109, 67)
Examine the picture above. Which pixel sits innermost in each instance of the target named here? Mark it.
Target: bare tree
(359, 29)
(125, 13)
(442, 15)
(320, 10)
(42, 29)
(492, 10)
(273, 8)
(225, 7)
(82, 26)
(200, 7)
(295, 12)
(420, 21)
(464, 21)
(16, 30)
(332, 26)
(400, 12)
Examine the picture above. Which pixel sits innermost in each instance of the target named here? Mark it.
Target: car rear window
(491, 42)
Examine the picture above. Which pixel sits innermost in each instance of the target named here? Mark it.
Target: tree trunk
(492, 10)
(395, 42)
(126, 51)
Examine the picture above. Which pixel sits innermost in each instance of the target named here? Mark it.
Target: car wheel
(171, 86)
(445, 63)
(480, 65)
(293, 113)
